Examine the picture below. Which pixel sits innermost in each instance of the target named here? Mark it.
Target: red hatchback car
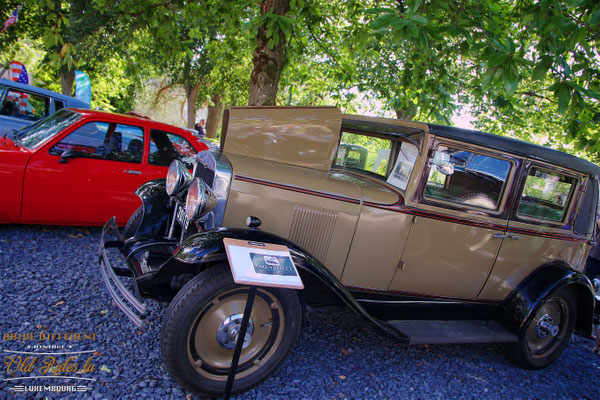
(81, 167)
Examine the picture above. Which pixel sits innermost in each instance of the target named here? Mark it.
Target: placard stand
(240, 342)
(257, 264)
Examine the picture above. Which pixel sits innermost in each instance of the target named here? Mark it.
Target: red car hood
(11, 153)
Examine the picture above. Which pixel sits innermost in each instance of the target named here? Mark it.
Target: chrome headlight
(200, 200)
(178, 177)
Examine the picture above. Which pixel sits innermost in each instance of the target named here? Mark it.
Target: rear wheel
(200, 329)
(547, 334)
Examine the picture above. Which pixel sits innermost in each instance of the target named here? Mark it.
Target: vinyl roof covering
(400, 128)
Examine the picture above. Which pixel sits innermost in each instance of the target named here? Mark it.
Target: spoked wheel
(548, 332)
(200, 331)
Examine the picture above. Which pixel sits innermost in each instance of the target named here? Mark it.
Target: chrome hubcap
(228, 332)
(545, 327)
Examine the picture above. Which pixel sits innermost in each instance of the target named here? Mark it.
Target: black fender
(157, 208)
(150, 236)
(202, 249)
(523, 303)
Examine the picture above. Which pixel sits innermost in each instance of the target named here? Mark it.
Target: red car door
(99, 181)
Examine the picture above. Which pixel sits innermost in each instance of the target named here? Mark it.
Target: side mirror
(442, 163)
(445, 168)
(69, 153)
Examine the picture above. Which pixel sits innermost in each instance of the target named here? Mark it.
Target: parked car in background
(22, 105)
(431, 233)
(80, 167)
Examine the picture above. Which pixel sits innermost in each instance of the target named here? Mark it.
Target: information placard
(262, 264)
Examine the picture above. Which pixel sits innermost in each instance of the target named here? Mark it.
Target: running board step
(455, 332)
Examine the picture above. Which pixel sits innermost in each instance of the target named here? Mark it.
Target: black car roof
(399, 128)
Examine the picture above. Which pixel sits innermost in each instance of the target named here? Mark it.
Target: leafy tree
(76, 34)
(186, 42)
(500, 56)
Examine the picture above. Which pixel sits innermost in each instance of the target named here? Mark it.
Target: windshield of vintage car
(375, 156)
(33, 136)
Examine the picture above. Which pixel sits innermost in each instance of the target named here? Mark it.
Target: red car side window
(104, 140)
(165, 147)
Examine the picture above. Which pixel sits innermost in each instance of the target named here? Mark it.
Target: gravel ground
(50, 283)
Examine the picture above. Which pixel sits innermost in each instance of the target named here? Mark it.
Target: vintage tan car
(433, 234)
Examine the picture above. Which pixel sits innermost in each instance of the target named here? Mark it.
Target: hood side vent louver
(312, 230)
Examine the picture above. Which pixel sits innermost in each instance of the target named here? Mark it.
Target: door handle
(514, 237)
(499, 235)
(132, 172)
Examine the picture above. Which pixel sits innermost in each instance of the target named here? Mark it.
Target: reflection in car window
(27, 106)
(364, 153)
(34, 135)
(104, 140)
(468, 178)
(546, 195)
(165, 147)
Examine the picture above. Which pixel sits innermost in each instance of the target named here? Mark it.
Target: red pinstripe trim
(424, 296)
(530, 232)
(398, 207)
(298, 189)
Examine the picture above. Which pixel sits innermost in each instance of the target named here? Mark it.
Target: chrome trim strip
(408, 301)
(220, 187)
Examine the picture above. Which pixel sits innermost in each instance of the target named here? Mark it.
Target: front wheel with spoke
(201, 326)
(547, 333)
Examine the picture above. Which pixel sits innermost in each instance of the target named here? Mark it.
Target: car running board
(454, 332)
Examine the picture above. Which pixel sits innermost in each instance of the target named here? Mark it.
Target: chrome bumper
(129, 303)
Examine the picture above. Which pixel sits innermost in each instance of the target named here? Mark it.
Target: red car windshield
(34, 135)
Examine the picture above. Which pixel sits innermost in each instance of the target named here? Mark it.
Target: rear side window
(546, 194)
(104, 140)
(364, 153)
(466, 178)
(24, 105)
(165, 147)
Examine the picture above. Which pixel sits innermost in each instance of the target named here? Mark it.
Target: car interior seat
(134, 150)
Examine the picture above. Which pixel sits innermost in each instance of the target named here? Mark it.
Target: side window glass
(468, 178)
(363, 153)
(58, 105)
(103, 140)
(546, 195)
(23, 105)
(165, 147)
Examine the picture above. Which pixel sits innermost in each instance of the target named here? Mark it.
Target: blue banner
(83, 87)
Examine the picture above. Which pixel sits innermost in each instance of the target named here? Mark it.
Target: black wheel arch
(157, 208)
(204, 249)
(522, 304)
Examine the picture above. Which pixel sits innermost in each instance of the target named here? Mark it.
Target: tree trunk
(268, 63)
(406, 114)
(191, 92)
(215, 114)
(66, 82)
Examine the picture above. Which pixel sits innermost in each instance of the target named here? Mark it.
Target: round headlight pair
(178, 178)
(200, 200)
